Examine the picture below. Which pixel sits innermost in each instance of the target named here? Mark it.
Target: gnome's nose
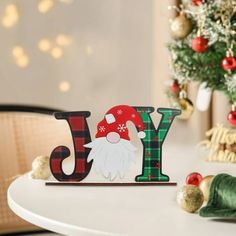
(113, 137)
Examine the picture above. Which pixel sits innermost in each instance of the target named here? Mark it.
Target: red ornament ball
(175, 87)
(232, 118)
(229, 63)
(194, 179)
(198, 2)
(200, 44)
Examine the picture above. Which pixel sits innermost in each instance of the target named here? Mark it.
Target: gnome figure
(112, 151)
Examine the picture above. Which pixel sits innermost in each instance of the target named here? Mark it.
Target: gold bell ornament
(186, 106)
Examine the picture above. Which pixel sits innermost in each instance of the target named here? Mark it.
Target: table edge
(47, 223)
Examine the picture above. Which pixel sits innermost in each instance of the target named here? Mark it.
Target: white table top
(135, 211)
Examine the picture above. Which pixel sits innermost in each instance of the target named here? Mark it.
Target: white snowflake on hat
(102, 129)
(119, 112)
(112, 150)
(121, 128)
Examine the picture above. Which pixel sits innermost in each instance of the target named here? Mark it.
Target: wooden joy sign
(111, 152)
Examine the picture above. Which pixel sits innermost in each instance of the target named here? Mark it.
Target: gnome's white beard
(111, 159)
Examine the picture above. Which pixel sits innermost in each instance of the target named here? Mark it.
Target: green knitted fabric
(222, 197)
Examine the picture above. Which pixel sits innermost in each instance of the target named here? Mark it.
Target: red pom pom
(229, 63)
(232, 117)
(200, 44)
(198, 2)
(194, 179)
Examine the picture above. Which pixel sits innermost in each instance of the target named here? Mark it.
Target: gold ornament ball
(205, 186)
(190, 198)
(181, 26)
(186, 107)
(40, 168)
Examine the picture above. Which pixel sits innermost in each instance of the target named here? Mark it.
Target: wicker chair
(25, 132)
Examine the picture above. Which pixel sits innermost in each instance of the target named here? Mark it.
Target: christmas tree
(203, 49)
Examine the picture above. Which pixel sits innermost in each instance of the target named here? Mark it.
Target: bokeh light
(44, 45)
(56, 52)
(23, 61)
(45, 5)
(11, 16)
(63, 40)
(64, 86)
(17, 51)
(21, 58)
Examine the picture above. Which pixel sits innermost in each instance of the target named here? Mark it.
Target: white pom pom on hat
(141, 134)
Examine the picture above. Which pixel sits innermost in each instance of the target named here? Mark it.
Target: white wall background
(129, 63)
(119, 71)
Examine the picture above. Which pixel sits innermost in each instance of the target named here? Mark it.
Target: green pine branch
(204, 67)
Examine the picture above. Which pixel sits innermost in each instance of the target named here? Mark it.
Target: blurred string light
(56, 52)
(23, 61)
(63, 40)
(64, 86)
(45, 6)
(55, 47)
(11, 16)
(17, 51)
(21, 58)
(44, 45)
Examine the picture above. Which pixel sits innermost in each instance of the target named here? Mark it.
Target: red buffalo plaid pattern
(81, 135)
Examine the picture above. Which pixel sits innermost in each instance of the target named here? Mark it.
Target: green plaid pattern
(152, 143)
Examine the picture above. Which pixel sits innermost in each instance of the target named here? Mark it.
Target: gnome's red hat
(113, 126)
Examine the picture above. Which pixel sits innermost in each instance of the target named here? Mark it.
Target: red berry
(194, 179)
(229, 63)
(232, 117)
(200, 44)
(198, 2)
